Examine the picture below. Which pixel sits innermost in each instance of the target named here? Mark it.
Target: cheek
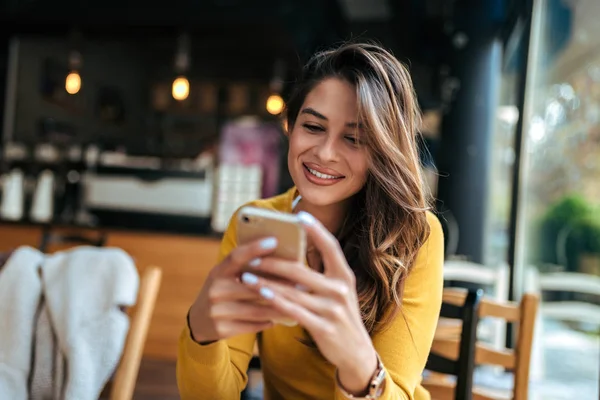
(298, 143)
(295, 148)
(294, 143)
(360, 166)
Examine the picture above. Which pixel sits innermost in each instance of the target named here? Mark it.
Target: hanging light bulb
(275, 104)
(73, 79)
(73, 83)
(181, 88)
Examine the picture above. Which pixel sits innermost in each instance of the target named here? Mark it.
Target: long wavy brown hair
(387, 223)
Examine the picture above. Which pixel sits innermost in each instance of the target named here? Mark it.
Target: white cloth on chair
(61, 330)
(20, 288)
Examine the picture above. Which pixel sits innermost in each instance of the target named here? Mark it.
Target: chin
(320, 197)
(323, 196)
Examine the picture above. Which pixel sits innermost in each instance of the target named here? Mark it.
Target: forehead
(335, 99)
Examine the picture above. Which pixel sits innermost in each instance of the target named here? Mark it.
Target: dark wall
(3, 66)
(105, 64)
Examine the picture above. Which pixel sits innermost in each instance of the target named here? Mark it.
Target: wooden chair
(566, 297)
(572, 286)
(462, 366)
(122, 385)
(494, 282)
(517, 360)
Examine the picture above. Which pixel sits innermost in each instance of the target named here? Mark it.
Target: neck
(331, 216)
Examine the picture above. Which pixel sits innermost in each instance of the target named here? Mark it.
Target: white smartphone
(257, 223)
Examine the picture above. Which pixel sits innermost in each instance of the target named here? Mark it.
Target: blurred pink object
(249, 141)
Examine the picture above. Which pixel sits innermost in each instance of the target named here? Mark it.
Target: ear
(285, 128)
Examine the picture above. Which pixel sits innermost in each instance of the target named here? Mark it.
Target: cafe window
(558, 243)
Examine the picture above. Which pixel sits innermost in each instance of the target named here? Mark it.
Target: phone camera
(245, 219)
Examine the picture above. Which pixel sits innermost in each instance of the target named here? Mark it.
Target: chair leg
(127, 371)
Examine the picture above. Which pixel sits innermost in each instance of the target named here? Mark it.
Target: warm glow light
(274, 104)
(181, 88)
(73, 83)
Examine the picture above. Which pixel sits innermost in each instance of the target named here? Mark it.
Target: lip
(326, 171)
(315, 180)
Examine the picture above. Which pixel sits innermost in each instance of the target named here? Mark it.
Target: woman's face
(326, 160)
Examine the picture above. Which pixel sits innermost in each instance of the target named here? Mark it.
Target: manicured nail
(249, 279)
(268, 243)
(306, 218)
(267, 293)
(254, 263)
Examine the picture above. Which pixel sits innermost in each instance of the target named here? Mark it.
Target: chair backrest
(125, 377)
(68, 237)
(575, 285)
(516, 360)
(478, 274)
(461, 364)
(494, 282)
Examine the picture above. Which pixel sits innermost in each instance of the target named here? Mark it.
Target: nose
(326, 151)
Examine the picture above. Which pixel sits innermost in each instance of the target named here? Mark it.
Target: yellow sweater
(291, 370)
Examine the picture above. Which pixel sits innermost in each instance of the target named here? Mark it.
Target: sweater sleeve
(405, 344)
(217, 370)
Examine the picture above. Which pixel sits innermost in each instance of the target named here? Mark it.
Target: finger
(245, 312)
(329, 307)
(279, 285)
(296, 312)
(322, 306)
(229, 289)
(298, 273)
(327, 245)
(243, 254)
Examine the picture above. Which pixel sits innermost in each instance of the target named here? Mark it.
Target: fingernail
(249, 279)
(268, 243)
(254, 263)
(306, 218)
(267, 293)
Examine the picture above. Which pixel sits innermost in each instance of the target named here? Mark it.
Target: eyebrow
(317, 114)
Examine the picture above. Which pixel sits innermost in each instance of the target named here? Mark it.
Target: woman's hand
(326, 305)
(225, 307)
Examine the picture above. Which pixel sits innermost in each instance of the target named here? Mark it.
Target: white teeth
(320, 175)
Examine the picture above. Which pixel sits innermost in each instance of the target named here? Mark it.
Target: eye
(352, 139)
(313, 128)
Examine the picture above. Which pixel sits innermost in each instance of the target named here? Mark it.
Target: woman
(368, 303)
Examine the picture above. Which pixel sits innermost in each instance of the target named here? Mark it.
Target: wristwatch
(376, 385)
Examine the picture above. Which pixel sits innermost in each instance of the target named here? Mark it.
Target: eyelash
(314, 128)
(352, 139)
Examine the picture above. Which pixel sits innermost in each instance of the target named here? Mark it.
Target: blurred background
(148, 124)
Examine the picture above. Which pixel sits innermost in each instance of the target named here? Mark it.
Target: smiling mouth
(322, 175)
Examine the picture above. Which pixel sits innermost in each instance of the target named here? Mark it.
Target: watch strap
(376, 384)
